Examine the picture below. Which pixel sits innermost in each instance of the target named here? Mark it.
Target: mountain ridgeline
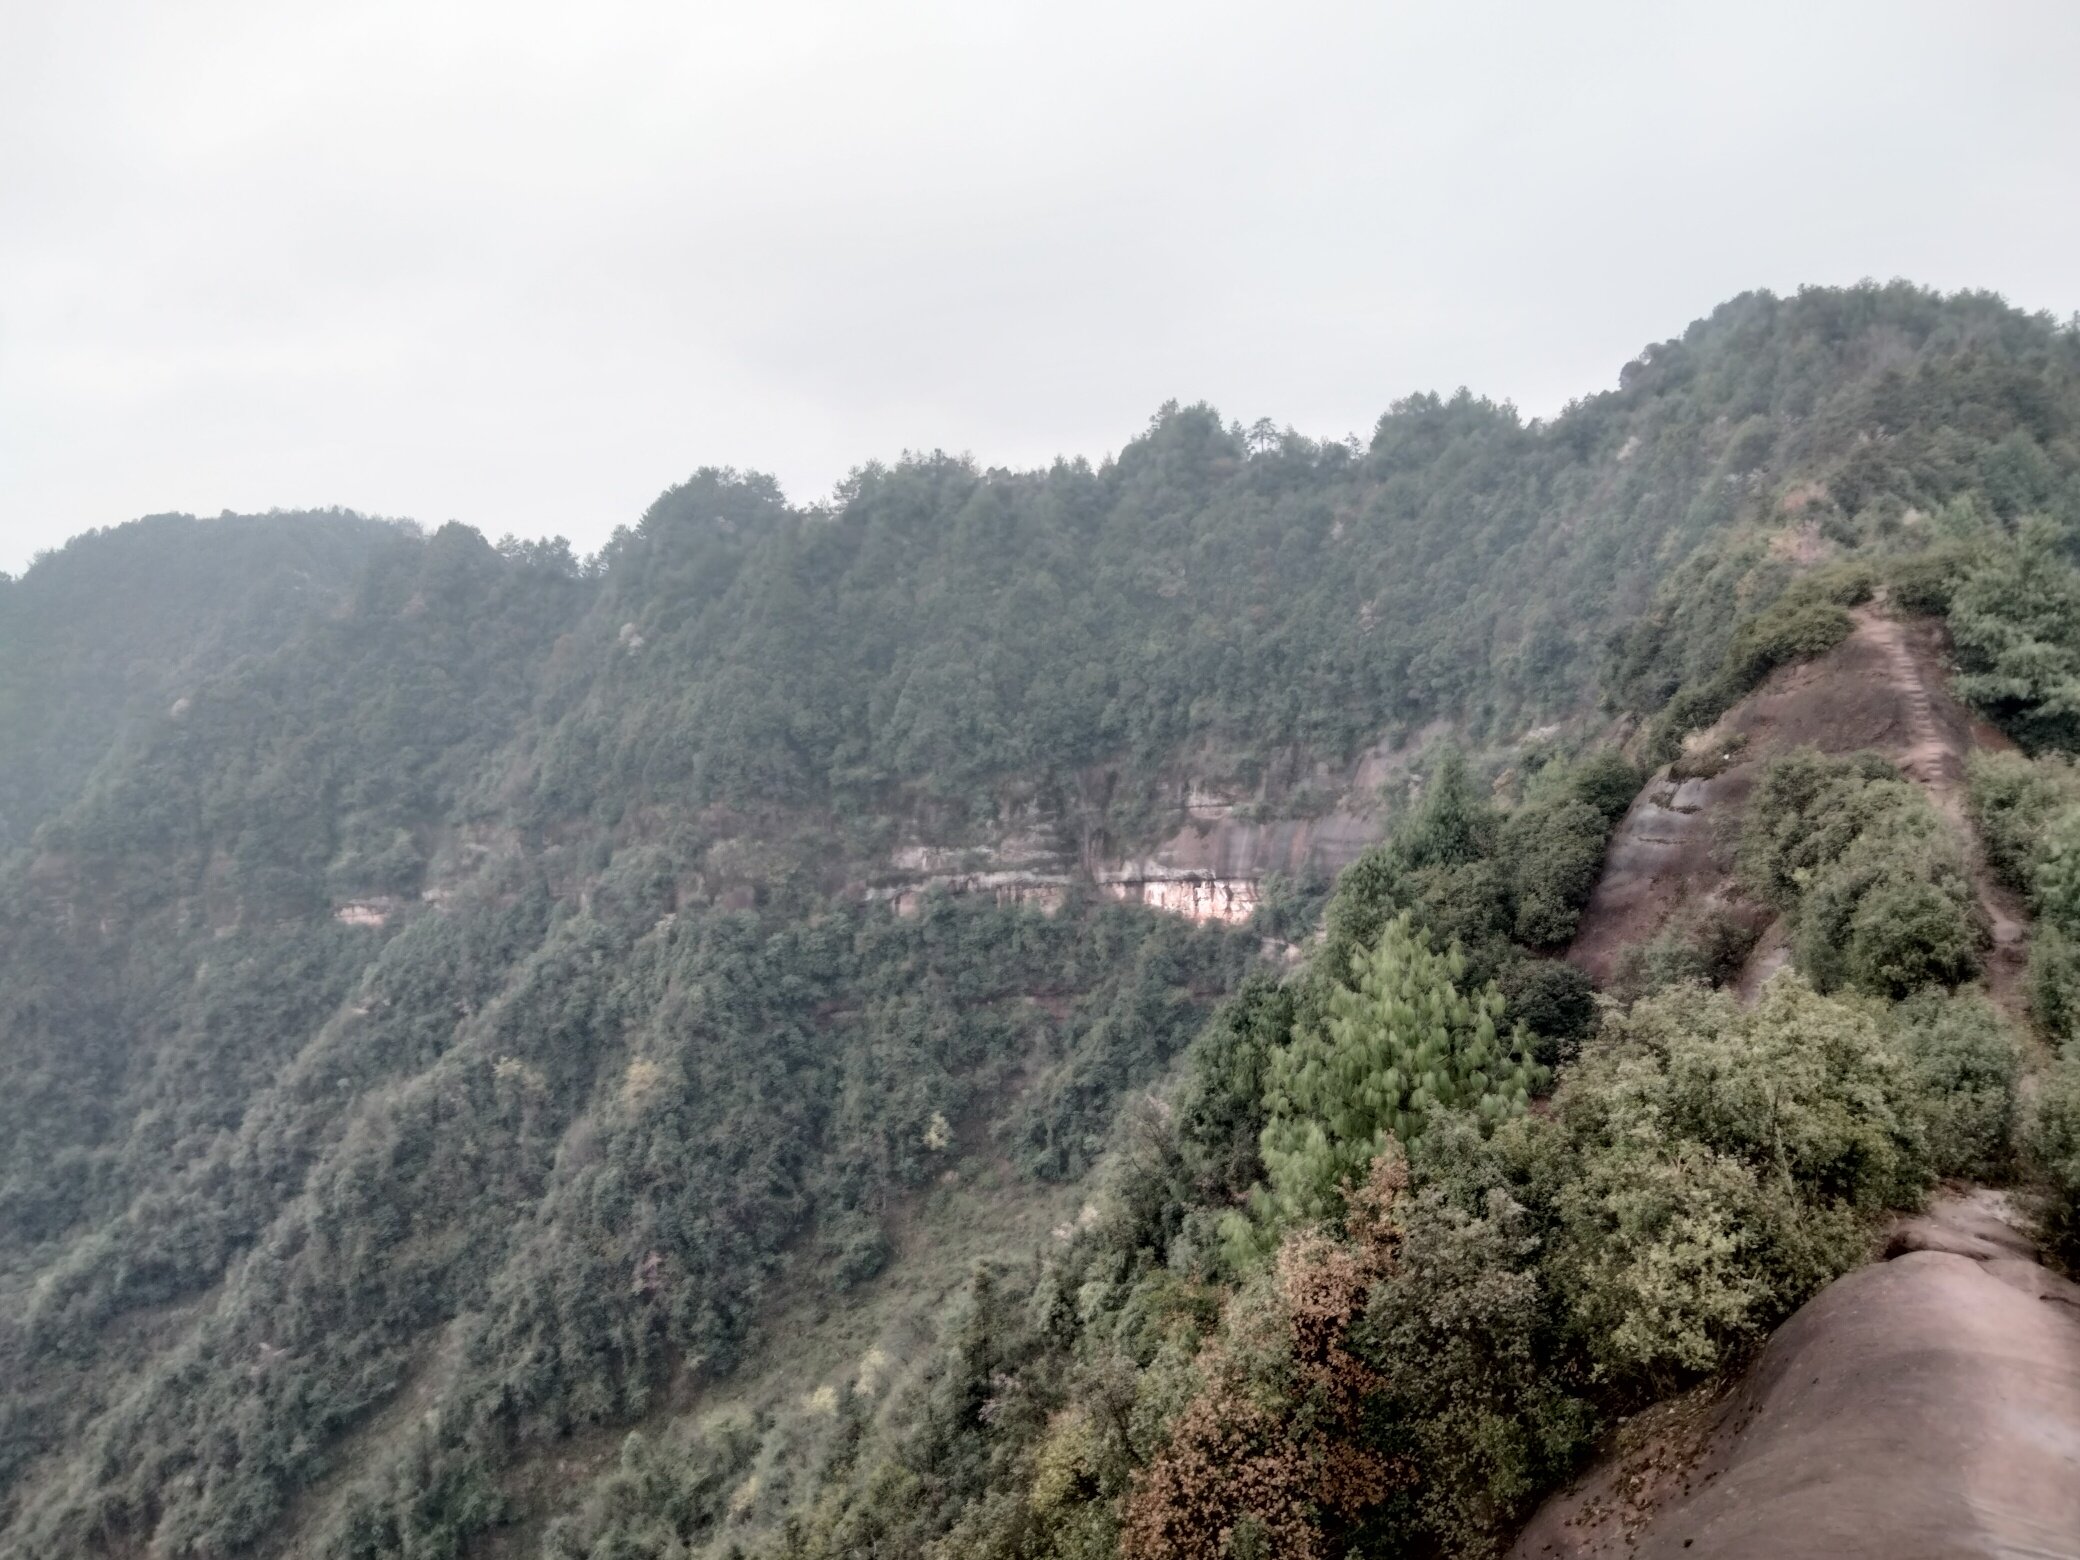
(488, 1066)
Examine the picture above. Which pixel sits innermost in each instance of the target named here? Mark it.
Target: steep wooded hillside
(106, 634)
(498, 1050)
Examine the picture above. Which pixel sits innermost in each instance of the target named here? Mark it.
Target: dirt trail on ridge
(1937, 764)
(1918, 1408)
(1883, 689)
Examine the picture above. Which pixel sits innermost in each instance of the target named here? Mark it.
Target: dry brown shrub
(1284, 1459)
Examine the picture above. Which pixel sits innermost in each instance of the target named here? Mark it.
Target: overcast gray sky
(525, 265)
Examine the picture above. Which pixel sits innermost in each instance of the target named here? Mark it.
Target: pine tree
(1400, 1041)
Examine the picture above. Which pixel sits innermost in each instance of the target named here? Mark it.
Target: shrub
(2051, 1148)
(1808, 619)
(2028, 813)
(1221, 1113)
(1673, 1259)
(1454, 822)
(2013, 802)
(1702, 946)
(1719, 1167)
(1695, 706)
(1708, 761)
(1806, 810)
(1550, 849)
(1790, 631)
(2057, 877)
(2015, 619)
(1926, 580)
(1552, 852)
(1412, 1388)
(1907, 934)
(1801, 1085)
(1273, 1448)
(2054, 985)
(1966, 1059)
(1467, 903)
(1608, 781)
(1459, 1337)
(1555, 1001)
(1438, 864)
(1874, 880)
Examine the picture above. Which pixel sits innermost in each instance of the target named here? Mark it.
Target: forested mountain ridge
(1236, 607)
(531, 1138)
(116, 623)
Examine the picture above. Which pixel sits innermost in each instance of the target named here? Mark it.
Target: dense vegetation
(1874, 883)
(2028, 813)
(1411, 1375)
(453, 1080)
(105, 635)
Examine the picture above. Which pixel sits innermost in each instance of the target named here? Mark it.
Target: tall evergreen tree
(1401, 1041)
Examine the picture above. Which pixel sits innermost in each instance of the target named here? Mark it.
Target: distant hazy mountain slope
(115, 625)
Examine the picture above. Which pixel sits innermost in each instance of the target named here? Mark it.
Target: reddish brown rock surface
(1925, 1406)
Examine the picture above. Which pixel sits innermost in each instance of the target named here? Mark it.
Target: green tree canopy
(2016, 621)
(1400, 1041)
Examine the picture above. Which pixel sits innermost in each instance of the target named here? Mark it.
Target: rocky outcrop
(1664, 859)
(1234, 849)
(1230, 900)
(1927, 1406)
(1028, 866)
(1213, 866)
(1043, 891)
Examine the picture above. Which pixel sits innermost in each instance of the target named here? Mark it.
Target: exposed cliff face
(1213, 866)
(1231, 900)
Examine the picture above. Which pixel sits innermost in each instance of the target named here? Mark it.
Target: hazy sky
(525, 265)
